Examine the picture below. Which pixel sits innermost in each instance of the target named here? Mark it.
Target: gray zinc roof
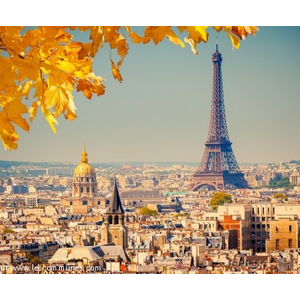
(115, 205)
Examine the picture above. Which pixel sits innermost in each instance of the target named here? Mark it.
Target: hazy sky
(161, 110)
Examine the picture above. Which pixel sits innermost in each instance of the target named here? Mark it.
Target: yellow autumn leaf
(84, 51)
(96, 37)
(234, 40)
(86, 87)
(202, 32)
(13, 111)
(8, 135)
(70, 111)
(33, 110)
(122, 49)
(156, 33)
(181, 28)
(57, 98)
(174, 38)
(251, 29)
(65, 66)
(138, 39)
(192, 43)
(116, 72)
(26, 88)
(218, 28)
(49, 117)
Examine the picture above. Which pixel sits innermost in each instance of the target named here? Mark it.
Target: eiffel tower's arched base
(219, 181)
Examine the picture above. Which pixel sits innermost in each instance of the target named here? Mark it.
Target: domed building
(84, 188)
(84, 179)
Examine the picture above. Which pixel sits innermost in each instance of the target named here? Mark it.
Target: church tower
(113, 229)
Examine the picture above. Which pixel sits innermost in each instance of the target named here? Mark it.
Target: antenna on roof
(217, 44)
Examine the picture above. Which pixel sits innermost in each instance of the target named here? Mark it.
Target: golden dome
(84, 169)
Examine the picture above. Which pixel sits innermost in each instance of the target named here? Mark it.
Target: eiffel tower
(218, 168)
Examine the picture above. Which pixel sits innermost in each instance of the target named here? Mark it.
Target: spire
(115, 205)
(217, 57)
(84, 157)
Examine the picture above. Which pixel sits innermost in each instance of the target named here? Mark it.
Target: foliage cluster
(280, 196)
(147, 211)
(219, 198)
(281, 183)
(42, 66)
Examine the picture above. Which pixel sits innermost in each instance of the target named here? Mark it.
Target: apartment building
(256, 224)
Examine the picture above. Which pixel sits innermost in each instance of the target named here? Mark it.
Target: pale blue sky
(161, 110)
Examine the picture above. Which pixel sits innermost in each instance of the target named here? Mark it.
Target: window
(258, 210)
(107, 202)
(268, 210)
(109, 219)
(71, 202)
(98, 202)
(277, 229)
(290, 243)
(252, 210)
(84, 202)
(116, 221)
(87, 179)
(263, 210)
(273, 210)
(277, 244)
(290, 228)
(81, 190)
(87, 189)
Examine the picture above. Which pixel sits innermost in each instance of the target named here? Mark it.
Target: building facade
(284, 233)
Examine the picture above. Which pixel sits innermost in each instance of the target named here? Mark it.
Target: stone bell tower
(113, 229)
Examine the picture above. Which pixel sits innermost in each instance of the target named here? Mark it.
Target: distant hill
(7, 164)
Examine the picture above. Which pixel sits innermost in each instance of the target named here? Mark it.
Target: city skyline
(161, 110)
